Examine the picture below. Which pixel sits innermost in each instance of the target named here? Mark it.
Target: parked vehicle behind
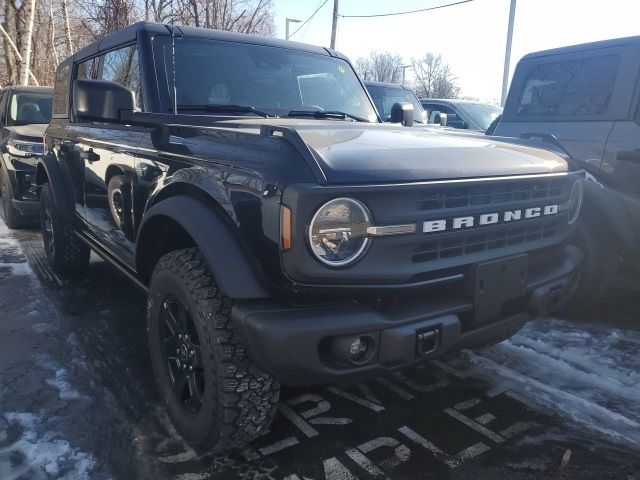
(386, 95)
(461, 114)
(283, 233)
(24, 115)
(586, 100)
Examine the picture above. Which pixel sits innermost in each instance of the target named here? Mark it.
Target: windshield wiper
(214, 107)
(325, 114)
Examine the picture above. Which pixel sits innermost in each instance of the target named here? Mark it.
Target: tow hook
(427, 341)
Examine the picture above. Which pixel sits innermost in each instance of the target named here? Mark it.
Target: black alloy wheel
(182, 354)
(48, 237)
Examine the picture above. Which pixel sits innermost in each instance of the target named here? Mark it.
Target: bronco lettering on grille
(432, 226)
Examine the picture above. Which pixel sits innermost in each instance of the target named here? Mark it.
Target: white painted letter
(512, 215)
(463, 222)
(488, 218)
(434, 226)
(532, 212)
(551, 209)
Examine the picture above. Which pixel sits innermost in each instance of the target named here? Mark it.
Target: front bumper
(298, 345)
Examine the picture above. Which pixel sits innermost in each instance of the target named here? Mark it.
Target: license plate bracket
(495, 282)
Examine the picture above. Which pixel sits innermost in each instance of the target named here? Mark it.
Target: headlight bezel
(578, 186)
(366, 242)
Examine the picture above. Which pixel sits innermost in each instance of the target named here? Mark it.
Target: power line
(404, 13)
(308, 19)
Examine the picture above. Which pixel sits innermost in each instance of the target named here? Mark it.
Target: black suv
(586, 100)
(283, 233)
(24, 115)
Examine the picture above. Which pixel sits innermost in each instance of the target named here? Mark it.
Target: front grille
(477, 242)
(478, 195)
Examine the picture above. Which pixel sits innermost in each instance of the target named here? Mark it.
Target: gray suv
(585, 100)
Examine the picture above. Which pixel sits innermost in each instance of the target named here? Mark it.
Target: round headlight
(575, 201)
(338, 231)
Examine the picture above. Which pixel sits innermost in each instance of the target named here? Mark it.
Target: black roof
(614, 42)
(385, 84)
(28, 88)
(130, 34)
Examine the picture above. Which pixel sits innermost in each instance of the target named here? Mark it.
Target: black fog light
(358, 348)
(350, 350)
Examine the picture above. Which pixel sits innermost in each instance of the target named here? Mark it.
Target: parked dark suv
(386, 95)
(586, 100)
(24, 116)
(284, 234)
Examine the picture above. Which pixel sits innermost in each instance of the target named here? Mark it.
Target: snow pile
(40, 458)
(588, 373)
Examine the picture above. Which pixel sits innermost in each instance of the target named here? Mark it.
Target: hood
(35, 130)
(381, 153)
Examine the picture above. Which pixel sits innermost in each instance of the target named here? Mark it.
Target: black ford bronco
(284, 234)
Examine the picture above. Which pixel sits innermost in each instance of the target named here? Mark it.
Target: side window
(568, 88)
(122, 66)
(86, 69)
(61, 91)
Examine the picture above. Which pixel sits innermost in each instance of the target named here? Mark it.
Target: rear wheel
(216, 396)
(12, 217)
(65, 252)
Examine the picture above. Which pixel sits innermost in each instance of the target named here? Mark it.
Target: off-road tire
(600, 264)
(12, 217)
(68, 253)
(120, 206)
(239, 400)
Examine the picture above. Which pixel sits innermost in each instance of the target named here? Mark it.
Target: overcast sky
(471, 36)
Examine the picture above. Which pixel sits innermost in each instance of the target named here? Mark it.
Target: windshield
(30, 107)
(270, 79)
(385, 97)
(481, 113)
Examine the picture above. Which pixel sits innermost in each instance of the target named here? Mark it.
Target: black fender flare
(48, 167)
(230, 265)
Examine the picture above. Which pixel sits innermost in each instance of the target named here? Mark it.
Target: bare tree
(67, 27)
(380, 67)
(434, 78)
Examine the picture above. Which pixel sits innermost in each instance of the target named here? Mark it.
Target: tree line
(431, 75)
(38, 34)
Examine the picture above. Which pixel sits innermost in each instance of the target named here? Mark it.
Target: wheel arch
(48, 171)
(181, 221)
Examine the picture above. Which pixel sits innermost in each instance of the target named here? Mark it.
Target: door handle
(89, 155)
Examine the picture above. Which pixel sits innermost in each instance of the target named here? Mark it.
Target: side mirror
(461, 124)
(101, 100)
(402, 112)
(440, 118)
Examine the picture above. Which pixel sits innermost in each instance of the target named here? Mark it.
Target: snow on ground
(30, 446)
(589, 373)
(40, 456)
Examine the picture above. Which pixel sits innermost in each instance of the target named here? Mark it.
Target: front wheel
(600, 264)
(216, 396)
(12, 217)
(65, 252)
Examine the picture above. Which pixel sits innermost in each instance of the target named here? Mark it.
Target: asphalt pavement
(560, 400)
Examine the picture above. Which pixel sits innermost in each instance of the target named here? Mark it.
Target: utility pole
(334, 26)
(507, 53)
(289, 20)
(404, 71)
